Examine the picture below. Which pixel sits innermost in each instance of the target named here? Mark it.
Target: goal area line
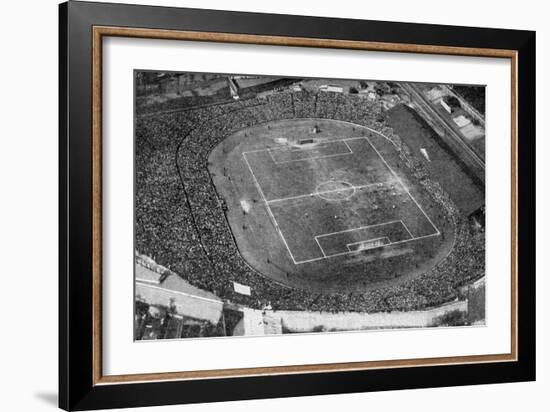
(316, 148)
(321, 143)
(356, 246)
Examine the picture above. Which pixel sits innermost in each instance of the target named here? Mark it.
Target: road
(457, 142)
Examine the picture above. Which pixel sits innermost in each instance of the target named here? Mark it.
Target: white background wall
(28, 206)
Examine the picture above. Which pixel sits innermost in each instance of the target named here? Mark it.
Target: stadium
(310, 200)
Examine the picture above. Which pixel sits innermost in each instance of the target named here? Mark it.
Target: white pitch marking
(362, 228)
(320, 247)
(271, 154)
(349, 252)
(358, 228)
(347, 145)
(355, 252)
(325, 144)
(323, 192)
(407, 229)
(353, 230)
(260, 191)
(402, 185)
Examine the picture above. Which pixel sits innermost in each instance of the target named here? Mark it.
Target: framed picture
(257, 205)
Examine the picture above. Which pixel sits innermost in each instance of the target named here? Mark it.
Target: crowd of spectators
(153, 105)
(180, 222)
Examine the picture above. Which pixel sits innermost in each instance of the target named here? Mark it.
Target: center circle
(335, 190)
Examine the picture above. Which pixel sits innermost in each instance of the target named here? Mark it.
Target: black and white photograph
(269, 205)
(214, 206)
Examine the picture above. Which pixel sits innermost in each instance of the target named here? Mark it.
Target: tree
(452, 101)
(381, 88)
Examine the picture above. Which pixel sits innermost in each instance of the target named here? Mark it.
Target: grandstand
(195, 168)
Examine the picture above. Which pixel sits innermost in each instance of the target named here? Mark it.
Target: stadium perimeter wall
(296, 321)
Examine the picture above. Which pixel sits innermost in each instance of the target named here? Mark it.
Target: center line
(326, 191)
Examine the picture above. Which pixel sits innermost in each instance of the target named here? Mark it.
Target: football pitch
(335, 196)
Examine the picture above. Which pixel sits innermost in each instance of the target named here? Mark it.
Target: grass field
(325, 196)
(330, 210)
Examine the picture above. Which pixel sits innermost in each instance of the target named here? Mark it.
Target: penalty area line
(354, 252)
